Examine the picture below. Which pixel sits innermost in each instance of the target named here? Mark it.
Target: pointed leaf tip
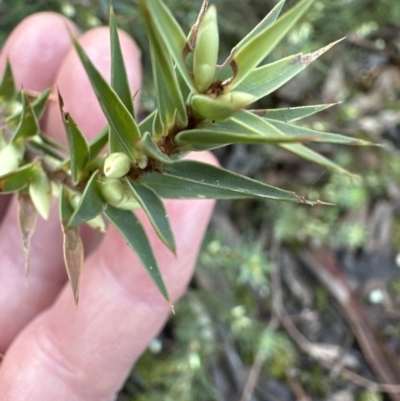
(73, 257)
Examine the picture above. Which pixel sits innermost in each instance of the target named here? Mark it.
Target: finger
(75, 88)
(87, 352)
(48, 269)
(36, 48)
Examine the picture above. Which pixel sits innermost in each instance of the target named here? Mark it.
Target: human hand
(53, 349)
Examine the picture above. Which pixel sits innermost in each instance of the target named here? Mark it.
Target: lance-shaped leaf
(188, 179)
(78, 146)
(167, 30)
(129, 226)
(269, 19)
(27, 223)
(118, 116)
(297, 148)
(264, 80)
(97, 144)
(90, 205)
(290, 114)
(40, 192)
(28, 125)
(290, 130)
(146, 125)
(11, 156)
(18, 179)
(119, 79)
(313, 156)
(244, 127)
(7, 84)
(72, 245)
(38, 105)
(166, 110)
(155, 210)
(165, 79)
(255, 50)
(150, 149)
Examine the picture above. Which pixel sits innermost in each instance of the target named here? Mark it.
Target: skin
(53, 349)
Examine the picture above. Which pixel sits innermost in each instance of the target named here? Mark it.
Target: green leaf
(269, 19)
(129, 226)
(315, 136)
(41, 193)
(7, 85)
(155, 210)
(167, 30)
(150, 149)
(166, 81)
(91, 204)
(166, 110)
(188, 179)
(28, 126)
(146, 125)
(290, 114)
(264, 80)
(18, 179)
(118, 116)
(119, 79)
(43, 147)
(254, 51)
(38, 105)
(65, 209)
(244, 127)
(97, 144)
(313, 156)
(78, 147)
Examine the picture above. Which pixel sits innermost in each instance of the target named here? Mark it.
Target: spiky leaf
(28, 125)
(18, 179)
(118, 116)
(7, 85)
(91, 203)
(78, 147)
(189, 179)
(155, 211)
(255, 50)
(167, 30)
(290, 114)
(129, 226)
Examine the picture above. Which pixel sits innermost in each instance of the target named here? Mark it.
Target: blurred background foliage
(227, 340)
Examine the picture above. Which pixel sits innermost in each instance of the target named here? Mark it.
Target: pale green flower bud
(222, 107)
(40, 191)
(10, 157)
(206, 51)
(117, 193)
(116, 165)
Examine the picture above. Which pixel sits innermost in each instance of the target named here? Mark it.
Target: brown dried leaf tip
(27, 223)
(73, 257)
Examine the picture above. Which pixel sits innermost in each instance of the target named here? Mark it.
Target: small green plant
(200, 106)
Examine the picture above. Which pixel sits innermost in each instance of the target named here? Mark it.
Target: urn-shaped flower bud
(222, 107)
(118, 194)
(116, 165)
(10, 157)
(206, 51)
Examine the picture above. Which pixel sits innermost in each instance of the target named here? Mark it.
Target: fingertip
(75, 88)
(36, 48)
